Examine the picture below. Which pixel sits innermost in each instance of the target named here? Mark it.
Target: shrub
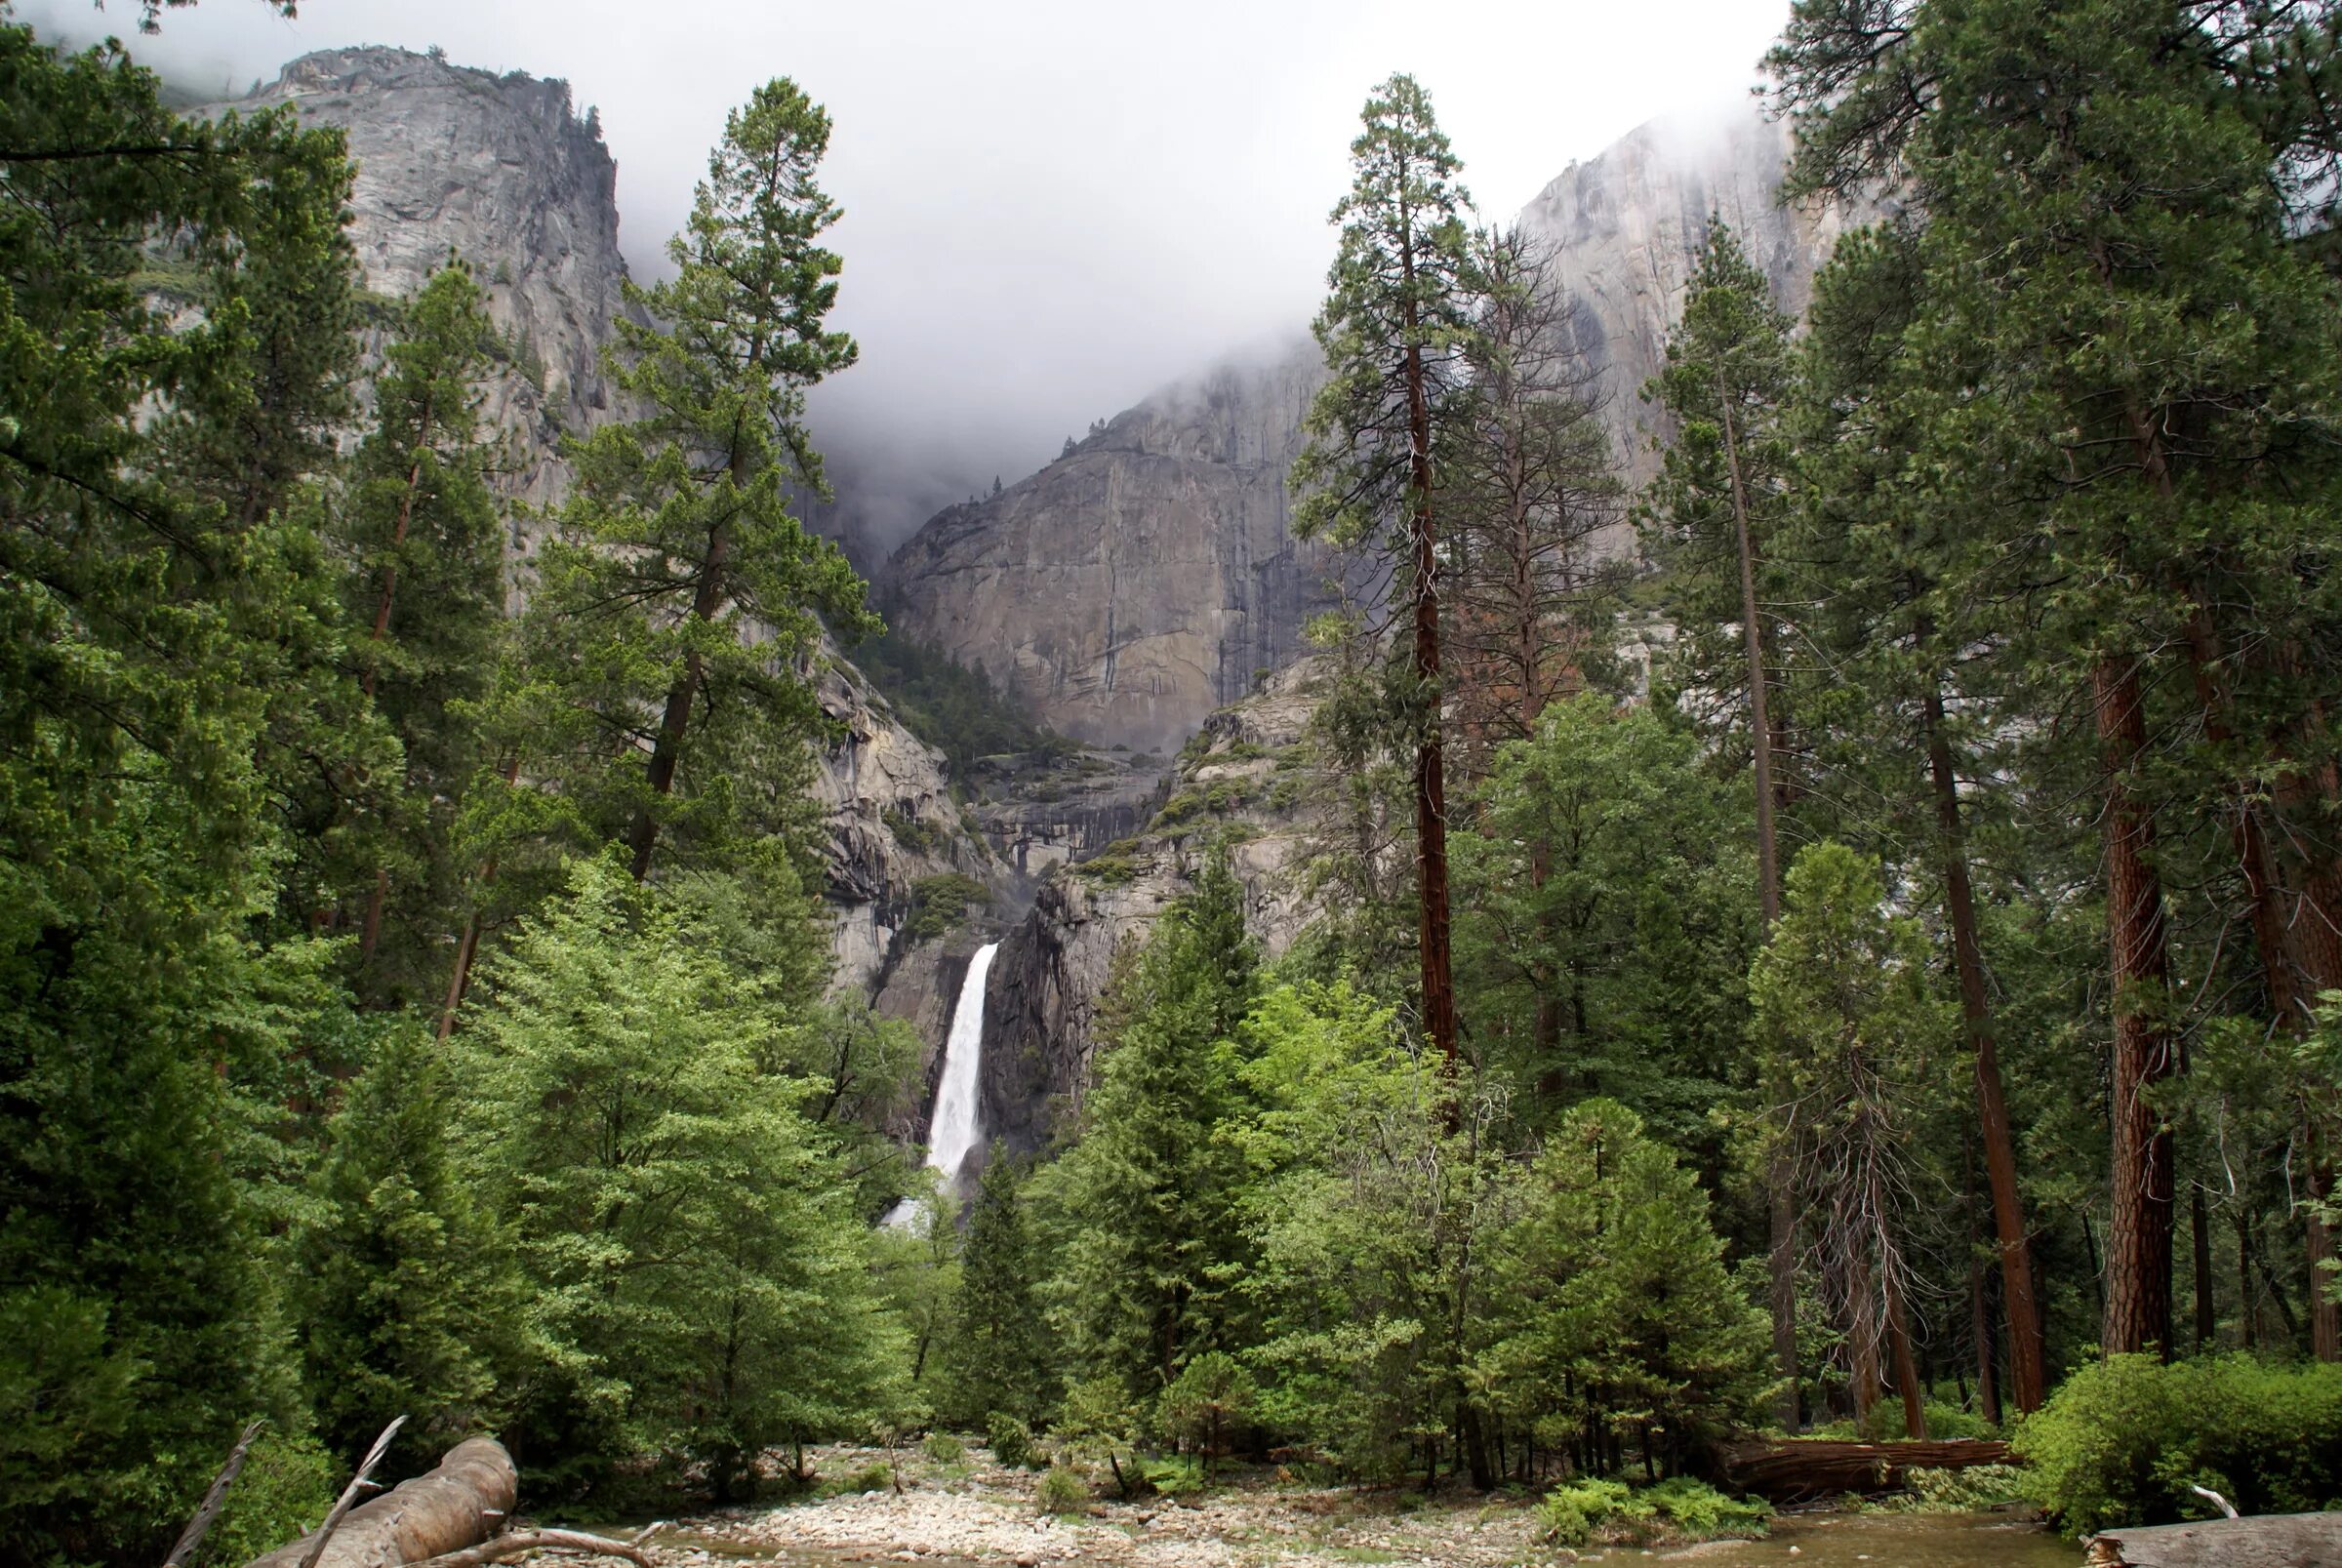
(939, 902)
(1574, 1515)
(1062, 1490)
(944, 1448)
(2122, 1441)
(1212, 1397)
(876, 1476)
(1964, 1491)
(1178, 1476)
(1944, 1421)
(285, 1489)
(1011, 1440)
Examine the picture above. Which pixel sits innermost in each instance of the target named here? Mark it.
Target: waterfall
(952, 1131)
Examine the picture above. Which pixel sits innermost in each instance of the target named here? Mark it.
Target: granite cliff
(1143, 579)
(501, 171)
(1145, 576)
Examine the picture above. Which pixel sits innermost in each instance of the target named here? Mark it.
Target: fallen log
(520, 1540)
(2264, 1541)
(1793, 1469)
(459, 1504)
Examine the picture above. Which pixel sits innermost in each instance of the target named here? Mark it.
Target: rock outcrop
(1624, 225)
(501, 171)
(1243, 781)
(1143, 579)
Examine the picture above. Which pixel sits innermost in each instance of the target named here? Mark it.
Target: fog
(1050, 208)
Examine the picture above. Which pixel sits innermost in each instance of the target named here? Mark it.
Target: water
(1888, 1541)
(952, 1132)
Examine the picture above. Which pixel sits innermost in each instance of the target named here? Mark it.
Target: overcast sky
(1050, 208)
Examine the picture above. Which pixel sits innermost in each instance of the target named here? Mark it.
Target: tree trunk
(1782, 1251)
(463, 1501)
(1430, 778)
(2026, 1355)
(2138, 1242)
(1906, 1368)
(468, 949)
(674, 720)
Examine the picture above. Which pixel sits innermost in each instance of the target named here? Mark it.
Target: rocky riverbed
(977, 1512)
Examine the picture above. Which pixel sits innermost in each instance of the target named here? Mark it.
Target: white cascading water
(952, 1131)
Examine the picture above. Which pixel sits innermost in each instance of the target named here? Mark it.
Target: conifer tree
(425, 596)
(1710, 513)
(682, 600)
(995, 1358)
(1148, 1191)
(1393, 329)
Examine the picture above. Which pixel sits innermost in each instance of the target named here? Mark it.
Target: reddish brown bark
(467, 947)
(2027, 1372)
(1906, 1368)
(675, 719)
(2138, 1238)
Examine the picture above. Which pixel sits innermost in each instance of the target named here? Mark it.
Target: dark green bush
(2122, 1441)
(1010, 1439)
(1062, 1490)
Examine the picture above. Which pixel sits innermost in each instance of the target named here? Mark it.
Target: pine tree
(1718, 497)
(1147, 1192)
(1393, 329)
(406, 1298)
(995, 1358)
(2105, 211)
(682, 600)
(425, 594)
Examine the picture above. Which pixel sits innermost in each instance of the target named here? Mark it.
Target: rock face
(1139, 581)
(504, 173)
(1143, 579)
(1623, 227)
(1242, 771)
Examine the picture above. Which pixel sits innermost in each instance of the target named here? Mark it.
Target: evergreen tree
(406, 1299)
(2107, 232)
(1147, 1192)
(1615, 1304)
(154, 649)
(994, 1360)
(1710, 516)
(681, 601)
(1393, 329)
(1843, 1013)
(699, 1278)
(425, 598)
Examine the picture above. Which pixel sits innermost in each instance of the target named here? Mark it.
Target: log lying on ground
(1794, 1469)
(461, 1503)
(2266, 1540)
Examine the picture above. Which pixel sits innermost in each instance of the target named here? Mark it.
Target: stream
(1884, 1540)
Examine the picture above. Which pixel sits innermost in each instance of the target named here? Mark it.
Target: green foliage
(407, 1298)
(1010, 1439)
(622, 1115)
(676, 537)
(2123, 1440)
(951, 706)
(939, 903)
(1620, 1309)
(1211, 1401)
(283, 1492)
(1061, 1490)
(995, 1358)
(1964, 1491)
(876, 1476)
(1146, 1195)
(944, 1448)
(1578, 1513)
(1177, 1475)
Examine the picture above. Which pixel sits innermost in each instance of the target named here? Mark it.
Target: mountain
(1150, 575)
(1143, 579)
(499, 171)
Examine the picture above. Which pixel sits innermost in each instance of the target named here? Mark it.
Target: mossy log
(462, 1503)
(2266, 1541)
(1794, 1469)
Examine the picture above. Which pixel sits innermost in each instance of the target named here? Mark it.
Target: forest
(1908, 1004)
